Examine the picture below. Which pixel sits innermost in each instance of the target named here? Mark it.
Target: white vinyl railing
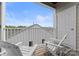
(9, 32)
(25, 35)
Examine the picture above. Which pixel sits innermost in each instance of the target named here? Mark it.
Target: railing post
(2, 24)
(3, 21)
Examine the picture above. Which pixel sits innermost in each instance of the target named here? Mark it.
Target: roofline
(58, 4)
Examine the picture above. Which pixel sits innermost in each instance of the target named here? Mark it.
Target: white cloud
(42, 19)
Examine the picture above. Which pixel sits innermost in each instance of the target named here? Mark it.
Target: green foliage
(21, 26)
(15, 26)
(10, 26)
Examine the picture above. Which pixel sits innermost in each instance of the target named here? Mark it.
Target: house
(34, 34)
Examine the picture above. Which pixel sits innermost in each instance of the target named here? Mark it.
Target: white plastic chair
(56, 46)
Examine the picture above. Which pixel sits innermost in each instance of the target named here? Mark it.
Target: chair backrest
(62, 39)
(59, 44)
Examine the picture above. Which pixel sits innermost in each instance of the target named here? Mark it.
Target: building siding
(66, 23)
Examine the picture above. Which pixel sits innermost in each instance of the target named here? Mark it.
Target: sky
(28, 13)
